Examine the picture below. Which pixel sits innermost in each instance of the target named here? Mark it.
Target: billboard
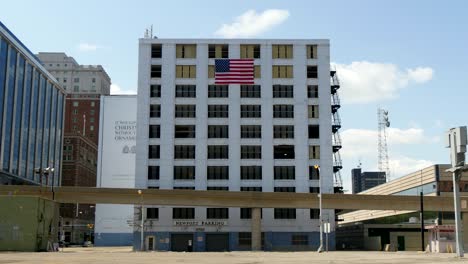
(116, 167)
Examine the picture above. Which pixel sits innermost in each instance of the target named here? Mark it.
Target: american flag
(234, 71)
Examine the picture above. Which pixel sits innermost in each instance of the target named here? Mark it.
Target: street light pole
(142, 236)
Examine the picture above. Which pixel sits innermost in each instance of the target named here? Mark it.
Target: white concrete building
(266, 137)
(73, 77)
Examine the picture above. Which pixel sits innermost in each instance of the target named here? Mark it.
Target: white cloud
(116, 89)
(365, 82)
(403, 165)
(87, 47)
(251, 23)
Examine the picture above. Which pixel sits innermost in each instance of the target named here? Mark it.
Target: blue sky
(406, 56)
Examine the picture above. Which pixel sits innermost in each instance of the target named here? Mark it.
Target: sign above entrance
(200, 223)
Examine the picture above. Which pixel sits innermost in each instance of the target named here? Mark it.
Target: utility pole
(317, 168)
(142, 224)
(456, 141)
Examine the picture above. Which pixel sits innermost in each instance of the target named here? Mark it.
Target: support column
(465, 229)
(256, 229)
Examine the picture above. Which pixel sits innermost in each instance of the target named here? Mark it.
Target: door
(401, 243)
(181, 242)
(150, 245)
(217, 242)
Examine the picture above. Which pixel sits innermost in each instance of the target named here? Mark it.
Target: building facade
(365, 180)
(193, 134)
(85, 84)
(31, 116)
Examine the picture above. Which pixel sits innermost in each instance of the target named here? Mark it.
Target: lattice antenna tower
(384, 123)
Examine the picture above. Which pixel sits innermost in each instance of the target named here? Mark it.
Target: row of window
(219, 51)
(222, 91)
(223, 213)
(222, 131)
(222, 152)
(222, 173)
(277, 71)
(246, 111)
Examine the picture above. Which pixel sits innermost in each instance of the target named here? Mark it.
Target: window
(312, 72)
(76, 88)
(313, 111)
(314, 131)
(282, 71)
(218, 111)
(257, 72)
(155, 110)
(184, 172)
(92, 105)
(284, 152)
(252, 131)
(76, 80)
(217, 173)
(314, 189)
(314, 152)
(91, 112)
(217, 188)
(186, 91)
(93, 80)
(218, 51)
(218, 131)
(282, 51)
(283, 111)
(184, 152)
(155, 71)
(314, 213)
(153, 172)
(251, 152)
(217, 213)
(156, 51)
(245, 238)
(183, 213)
(218, 91)
(155, 90)
(186, 71)
(246, 213)
(251, 189)
(285, 213)
(211, 72)
(154, 131)
(285, 189)
(218, 152)
(184, 188)
(312, 91)
(283, 131)
(283, 91)
(298, 240)
(250, 91)
(251, 111)
(187, 111)
(312, 51)
(285, 172)
(313, 173)
(75, 111)
(184, 131)
(64, 80)
(186, 51)
(251, 173)
(153, 151)
(152, 213)
(250, 51)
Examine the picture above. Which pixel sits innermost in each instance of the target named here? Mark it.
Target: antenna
(149, 32)
(384, 123)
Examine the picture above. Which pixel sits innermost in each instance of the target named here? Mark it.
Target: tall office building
(31, 116)
(85, 84)
(365, 180)
(265, 136)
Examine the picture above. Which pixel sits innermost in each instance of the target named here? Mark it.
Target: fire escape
(336, 125)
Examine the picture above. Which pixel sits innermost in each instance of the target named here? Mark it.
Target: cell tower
(384, 123)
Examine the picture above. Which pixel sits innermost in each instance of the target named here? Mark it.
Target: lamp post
(317, 168)
(46, 172)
